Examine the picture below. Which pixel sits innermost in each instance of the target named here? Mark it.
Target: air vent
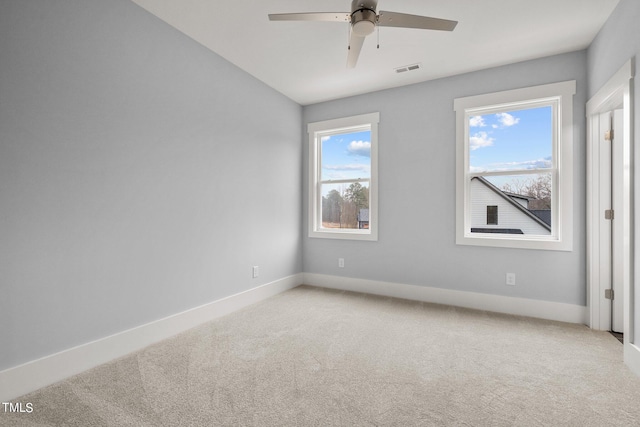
(408, 68)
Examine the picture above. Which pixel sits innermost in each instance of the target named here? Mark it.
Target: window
(514, 155)
(492, 215)
(343, 178)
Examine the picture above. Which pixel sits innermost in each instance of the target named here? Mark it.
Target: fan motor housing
(363, 4)
(363, 21)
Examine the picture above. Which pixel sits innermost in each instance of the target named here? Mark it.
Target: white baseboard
(496, 303)
(22, 379)
(632, 356)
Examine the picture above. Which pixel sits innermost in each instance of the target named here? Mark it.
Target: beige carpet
(318, 357)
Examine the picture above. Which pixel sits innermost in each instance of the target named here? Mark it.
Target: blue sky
(514, 140)
(346, 156)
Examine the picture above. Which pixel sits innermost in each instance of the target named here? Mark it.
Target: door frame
(615, 93)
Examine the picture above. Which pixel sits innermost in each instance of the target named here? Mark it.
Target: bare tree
(332, 208)
(538, 188)
(358, 198)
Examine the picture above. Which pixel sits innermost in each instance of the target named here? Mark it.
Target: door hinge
(608, 214)
(608, 294)
(608, 135)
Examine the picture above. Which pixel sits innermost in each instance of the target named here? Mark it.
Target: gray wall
(617, 42)
(417, 192)
(140, 175)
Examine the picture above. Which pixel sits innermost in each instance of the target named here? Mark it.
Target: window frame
(560, 96)
(331, 127)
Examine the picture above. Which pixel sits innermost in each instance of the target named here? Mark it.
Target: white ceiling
(306, 61)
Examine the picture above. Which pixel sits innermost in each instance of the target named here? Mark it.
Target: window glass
(345, 205)
(492, 215)
(346, 156)
(342, 178)
(511, 140)
(519, 141)
(514, 168)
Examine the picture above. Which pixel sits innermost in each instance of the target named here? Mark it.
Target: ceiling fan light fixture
(363, 28)
(364, 19)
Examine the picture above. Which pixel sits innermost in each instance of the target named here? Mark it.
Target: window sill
(519, 242)
(368, 235)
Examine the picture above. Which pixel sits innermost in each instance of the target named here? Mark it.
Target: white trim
(343, 123)
(335, 126)
(495, 303)
(609, 95)
(616, 92)
(632, 357)
(560, 96)
(22, 379)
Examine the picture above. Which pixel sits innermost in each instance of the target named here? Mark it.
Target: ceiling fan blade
(403, 20)
(355, 45)
(320, 16)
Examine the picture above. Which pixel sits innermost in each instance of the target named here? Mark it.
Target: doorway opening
(607, 131)
(609, 210)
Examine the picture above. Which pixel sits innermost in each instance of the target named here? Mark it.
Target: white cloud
(476, 169)
(360, 148)
(346, 171)
(477, 122)
(480, 140)
(543, 163)
(507, 120)
(532, 164)
(349, 167)
(524, 165)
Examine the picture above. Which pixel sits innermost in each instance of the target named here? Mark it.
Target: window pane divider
(558, 96)
(511, 172)
(344, 181)
(319, 133)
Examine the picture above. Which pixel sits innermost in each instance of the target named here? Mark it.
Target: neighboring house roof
(363, 215)
(543, 214)
(496, 230)
(517, 205)
(517, 196)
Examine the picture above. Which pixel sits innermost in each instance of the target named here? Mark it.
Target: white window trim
(315, 202)
(562, 238)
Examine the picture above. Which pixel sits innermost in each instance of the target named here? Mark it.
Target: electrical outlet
(256, 271)
(511, 279)
(341, 262)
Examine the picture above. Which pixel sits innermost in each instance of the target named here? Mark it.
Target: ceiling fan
(364, 19)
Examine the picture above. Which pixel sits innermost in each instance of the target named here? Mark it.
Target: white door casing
(616, 93)
(601, 227)
(608, 183)
(616, 178)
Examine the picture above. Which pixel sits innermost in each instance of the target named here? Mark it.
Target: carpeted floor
(319, 357)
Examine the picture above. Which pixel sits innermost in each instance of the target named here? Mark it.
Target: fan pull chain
(378, 28)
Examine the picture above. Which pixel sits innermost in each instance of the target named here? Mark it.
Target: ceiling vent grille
(406, 68)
